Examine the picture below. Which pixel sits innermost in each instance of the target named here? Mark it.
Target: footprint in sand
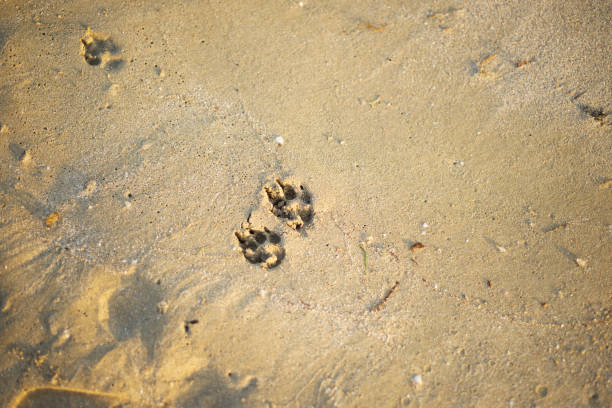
(290, 201)
(99, 49)
(260, 246)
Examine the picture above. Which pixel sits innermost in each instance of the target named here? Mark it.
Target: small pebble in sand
(114, 89)
(417, 245)
(63, 337)
(541, 391)
(51, 219)
(581, 262)
(417, 380)
(279, 140)
(162, 307)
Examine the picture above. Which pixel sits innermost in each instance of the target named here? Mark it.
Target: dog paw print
(260, 246)
(284, 200)
(99, 49)
(291, 202)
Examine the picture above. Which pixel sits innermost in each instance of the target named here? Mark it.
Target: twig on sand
(380, 304)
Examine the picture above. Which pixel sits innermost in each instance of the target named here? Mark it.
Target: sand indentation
(290, 201)
(260, 246)
(99, 49)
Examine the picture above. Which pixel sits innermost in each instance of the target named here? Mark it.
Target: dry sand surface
(305, 203)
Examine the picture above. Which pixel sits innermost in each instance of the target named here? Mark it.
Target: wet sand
(305, 204)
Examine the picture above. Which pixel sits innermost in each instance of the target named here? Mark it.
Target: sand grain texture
(454, 247)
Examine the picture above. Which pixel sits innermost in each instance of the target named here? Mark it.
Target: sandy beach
(306, 203)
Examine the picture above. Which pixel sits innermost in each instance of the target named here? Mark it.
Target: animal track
(291, 202)
(98, 49)
(260, 246)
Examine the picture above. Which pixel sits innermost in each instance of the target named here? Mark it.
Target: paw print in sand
(99, 49)
(286, 200)
(260, 246)
(290, 201)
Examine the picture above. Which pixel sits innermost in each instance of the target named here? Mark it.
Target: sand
(305, 204)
